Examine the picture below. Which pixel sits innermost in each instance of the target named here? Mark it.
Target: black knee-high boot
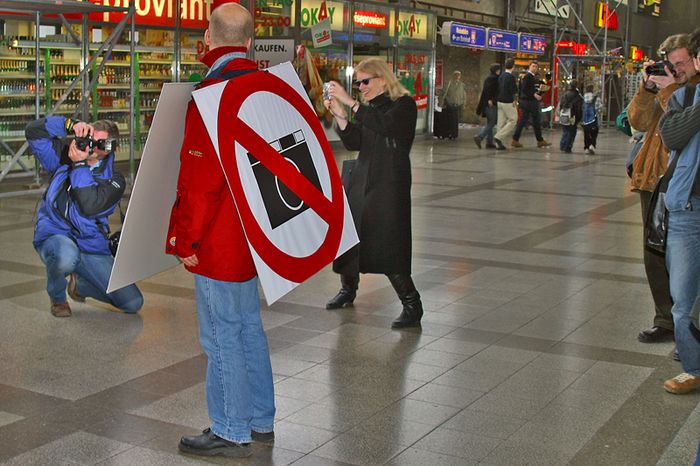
(412, 307)
(347, 292)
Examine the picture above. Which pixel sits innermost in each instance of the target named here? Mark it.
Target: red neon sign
(576, 48)
(370, 19)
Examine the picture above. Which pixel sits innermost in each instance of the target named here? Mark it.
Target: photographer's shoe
(60, 309)
(210, 444)
(266, 438)
(73, 289)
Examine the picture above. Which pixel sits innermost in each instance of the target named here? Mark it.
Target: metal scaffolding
(37, 8)
(581, 33)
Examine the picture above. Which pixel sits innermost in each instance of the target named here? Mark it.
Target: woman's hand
(336, 92)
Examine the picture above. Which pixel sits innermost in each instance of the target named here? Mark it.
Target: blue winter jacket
(680, 186)
(78, 201)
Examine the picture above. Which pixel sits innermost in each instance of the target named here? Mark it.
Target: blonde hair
(378, 67)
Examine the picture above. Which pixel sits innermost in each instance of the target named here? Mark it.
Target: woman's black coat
(379, 189)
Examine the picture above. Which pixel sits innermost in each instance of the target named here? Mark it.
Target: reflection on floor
(528, 262)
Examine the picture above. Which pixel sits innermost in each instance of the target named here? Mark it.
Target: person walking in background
(454, 100)
(644, 112)
(207, 235)
(379, 188)
(570, 112)
(487, 107)
(530, 108)
(589, 120)
(507, 106)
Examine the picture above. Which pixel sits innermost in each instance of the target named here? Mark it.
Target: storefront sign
(271, 52)
(530, 43)
(636, 53)
(273, 13)
(370, 19)
(438, 74)
(313, 12)
(321, 34)
(194, 13)
(463, 35)
(605, 17)
(410, 25)
(504, 41)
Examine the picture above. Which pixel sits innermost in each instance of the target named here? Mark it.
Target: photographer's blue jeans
(239, 389)
(486, 132)
(683, 263)
(62, 257)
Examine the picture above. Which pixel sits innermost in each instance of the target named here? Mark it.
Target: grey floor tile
(416, 457)
(301, 438)
(355, 448)
(484, 423)
(467, 445)
(445, 395)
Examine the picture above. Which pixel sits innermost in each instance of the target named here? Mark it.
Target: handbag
(656, 223)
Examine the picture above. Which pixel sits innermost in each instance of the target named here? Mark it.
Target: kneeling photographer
(71, 234)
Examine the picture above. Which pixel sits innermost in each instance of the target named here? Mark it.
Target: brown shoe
(515, 143)
(543, 143)
(60, 309)
(682, 383)
(73, 289)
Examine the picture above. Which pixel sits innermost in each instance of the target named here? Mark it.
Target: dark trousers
(657, 276)
(590, 135)
(491, 113)
(568, 135)
(453, 112)
(529, 109)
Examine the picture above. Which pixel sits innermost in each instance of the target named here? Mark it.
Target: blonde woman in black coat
(379, 188)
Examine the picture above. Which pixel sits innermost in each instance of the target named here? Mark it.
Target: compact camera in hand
(326, 91)
(657, 69)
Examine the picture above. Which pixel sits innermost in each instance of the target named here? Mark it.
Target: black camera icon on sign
(281, 204)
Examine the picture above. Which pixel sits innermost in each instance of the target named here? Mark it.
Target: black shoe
(408, 318)
(344, 298)
(676, 356)
(267, 438)
(499, 144)
(210, 444)
(478, 140)
(490, 145)
(655, 335)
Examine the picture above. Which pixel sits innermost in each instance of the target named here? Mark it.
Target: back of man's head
(674, 42)
(510, 64)
(230, 25)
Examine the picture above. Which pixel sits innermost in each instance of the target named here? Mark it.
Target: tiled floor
(529, 266)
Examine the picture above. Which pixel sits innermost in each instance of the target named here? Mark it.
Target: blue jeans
(568, 135)
(529, 109)
(62, 257)
(240, 393)
(683, 263)
(486, 132)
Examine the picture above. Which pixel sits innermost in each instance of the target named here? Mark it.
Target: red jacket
(204, 219)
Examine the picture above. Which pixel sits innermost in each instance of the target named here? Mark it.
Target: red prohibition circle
(232, 129)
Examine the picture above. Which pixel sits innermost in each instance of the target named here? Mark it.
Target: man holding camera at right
(660, 81)
(72, 228)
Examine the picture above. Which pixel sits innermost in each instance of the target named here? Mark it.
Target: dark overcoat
(379, 186)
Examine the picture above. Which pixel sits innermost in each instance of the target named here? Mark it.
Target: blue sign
(531, 43)
(503, 41)
(463, 35)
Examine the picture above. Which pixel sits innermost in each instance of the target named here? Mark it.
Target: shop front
(333, 36)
